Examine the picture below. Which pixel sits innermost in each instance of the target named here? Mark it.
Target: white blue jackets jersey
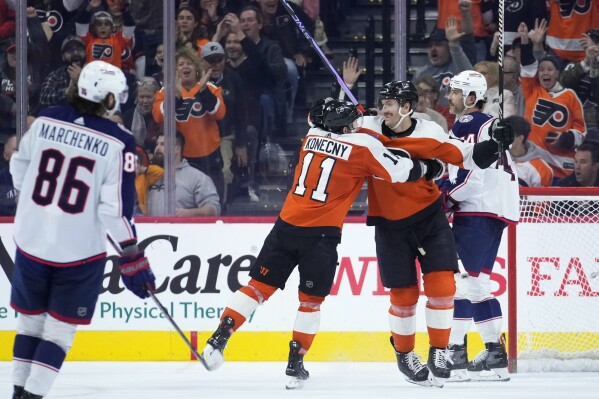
(76, 177)
(488, 192)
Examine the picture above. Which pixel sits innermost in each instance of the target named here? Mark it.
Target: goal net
(553, 257)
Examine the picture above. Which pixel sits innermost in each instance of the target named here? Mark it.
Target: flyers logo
(189, 107)
(443, 79)
(126, 54)
(548, 111)
(101, 50)
(567, 7)
(53, 18)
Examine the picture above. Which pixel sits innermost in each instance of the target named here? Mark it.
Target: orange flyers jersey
(196, 113)
(330, 174)
(108, 50)
(569, 19)
(551, 112)
(396, 202)
(534, 173)
(447, 8)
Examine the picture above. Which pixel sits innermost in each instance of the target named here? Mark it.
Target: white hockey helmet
(468, 82)
(98, 78)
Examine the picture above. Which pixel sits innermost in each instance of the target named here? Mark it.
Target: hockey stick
(176, 327)
(164, 311)
(500, 87)
(323, 57)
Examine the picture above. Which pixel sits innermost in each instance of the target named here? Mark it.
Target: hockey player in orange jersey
(410, 225)
(555, 113)
(333, 164)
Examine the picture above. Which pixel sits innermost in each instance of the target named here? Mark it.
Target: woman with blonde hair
(490, 70)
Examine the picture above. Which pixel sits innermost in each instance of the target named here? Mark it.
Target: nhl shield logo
(309, 284)
(81, 312)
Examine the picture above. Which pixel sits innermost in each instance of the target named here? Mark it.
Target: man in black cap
(58, 81)
(580, 77)
(446, 56)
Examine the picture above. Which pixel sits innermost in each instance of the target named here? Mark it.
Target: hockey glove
(449, 205)
(501, 132)
(434, 169)
(135, 271)
(563, 141)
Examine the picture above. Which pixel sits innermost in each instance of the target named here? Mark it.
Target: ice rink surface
(186, 380)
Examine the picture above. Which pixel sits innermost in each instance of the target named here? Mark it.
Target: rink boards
(199, 265)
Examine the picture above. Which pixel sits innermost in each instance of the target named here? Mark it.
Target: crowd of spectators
(241, 63)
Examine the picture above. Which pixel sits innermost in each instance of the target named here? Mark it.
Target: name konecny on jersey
(328, 147)
(74, 138)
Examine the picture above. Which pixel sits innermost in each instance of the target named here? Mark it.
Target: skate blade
(211, 358)
(500, 375)
(424, 383)
(459, 376)
(436, 381)
(295, 383)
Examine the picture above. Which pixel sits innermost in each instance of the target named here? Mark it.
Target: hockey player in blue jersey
(483, 202)
(75, 173)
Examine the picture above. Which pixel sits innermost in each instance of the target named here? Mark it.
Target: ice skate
(491, 364)
(459, 363)
(29, 395)
(411, 367)
(438, 366)
(18, 391)
(295, 367)
(212, 356)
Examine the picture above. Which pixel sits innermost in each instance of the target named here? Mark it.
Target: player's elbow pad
(485, 153)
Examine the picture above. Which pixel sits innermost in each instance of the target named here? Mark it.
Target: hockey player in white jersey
(483, 203)
(75, 172)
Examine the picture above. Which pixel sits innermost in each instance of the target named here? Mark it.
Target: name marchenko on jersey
(74, 138)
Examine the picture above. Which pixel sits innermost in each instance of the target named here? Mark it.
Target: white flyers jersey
(488, 192)
(76, 178)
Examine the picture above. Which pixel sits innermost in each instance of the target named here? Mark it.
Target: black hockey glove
(135, 271)
(563, 141)
(501, 132)
(434, 169)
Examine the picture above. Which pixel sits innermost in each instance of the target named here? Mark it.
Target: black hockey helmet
(401, 90)
(333, 115)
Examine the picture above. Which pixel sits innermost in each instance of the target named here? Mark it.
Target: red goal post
(553, 281)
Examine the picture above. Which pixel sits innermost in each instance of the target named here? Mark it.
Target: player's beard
(158, 159)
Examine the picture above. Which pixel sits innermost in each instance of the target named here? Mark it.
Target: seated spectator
(428, 89)
(56, 85)
(446, 57)
(159, 60)
(139, 119)
(8, 194)
(199, 106)
(555, 113)
(511, 82)
(101, 41)
(532, 171)
(490, 70)
(586, 168)
(195, 193)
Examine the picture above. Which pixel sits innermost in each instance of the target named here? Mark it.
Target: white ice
(263, 380)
